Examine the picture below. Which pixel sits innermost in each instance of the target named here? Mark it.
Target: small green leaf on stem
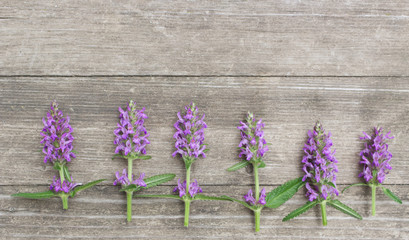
(39, 195)
(66, 173)
(144, 157)
(204, 197)
(262, 164)
(283, 193)
(344, 208)
(391, 195)
(117, 155)
(238, 166)
(353, 185)
(88, 185)
(300, 210)
(157, 196)
(238, 201)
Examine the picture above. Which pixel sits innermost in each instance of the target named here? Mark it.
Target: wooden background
(290, 62)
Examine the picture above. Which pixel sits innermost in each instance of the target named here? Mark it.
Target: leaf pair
(150, 182)
(50, 194)
(385, 190)
(277, 196)
(333, 203)
(132, 156)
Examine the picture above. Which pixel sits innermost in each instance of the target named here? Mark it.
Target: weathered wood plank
(100, 213)
(297, 38)
(346, 107)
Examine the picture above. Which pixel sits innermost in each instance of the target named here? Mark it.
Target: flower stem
(373, 187)
(257, 193)
(61, 171)
(257, 219)
(187, 202)
(324, 213)
(129, 206)
(64, 201)
(187, 210)
(129, 194)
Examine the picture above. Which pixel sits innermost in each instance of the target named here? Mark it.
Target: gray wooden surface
(290, 62)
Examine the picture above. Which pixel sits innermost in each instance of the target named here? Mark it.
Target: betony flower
(252, 144)
(249, 198)
(65, 187)
(193, 188)
(375, 156)
(319, 165)
(57, 138)
(190, 133)
(131, 135)
(124, 180)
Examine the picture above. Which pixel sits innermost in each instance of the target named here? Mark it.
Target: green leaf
(145, 157)
(117, 155)
(39, 195)
(238, 201)
(300, 210)
(391, 195)
(206, 150)
(204, 197)
(151, 182)
(353, 185)
(88, 185)
(74, 151)
(262, 165)
(66, 173)
(344, 208)
(158, 179)
(157, 196)
(283, 193)
(239, 165)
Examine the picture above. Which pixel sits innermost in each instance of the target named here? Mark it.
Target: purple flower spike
(124, 180)
(131, 136)
(57, 138)
(65, 187)
(252, 201)
(375, 156)
(193, 188)
(252, 144)
(319, 165)
(190, 133)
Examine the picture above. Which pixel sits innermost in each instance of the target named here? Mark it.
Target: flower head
(375, 156)
(131, 135)
(193, 188)
(65, 187)
(252, 201)
(190, 133)
(252, 144)
(57, 138)
(319, 165)
(125, 181)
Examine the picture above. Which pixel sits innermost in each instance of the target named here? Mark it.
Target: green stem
(64, 201)
(129, 206)
(187, 210)
(61, 171)
(129, 194)
(187, 202)
(257, 219)
(257, 193)
(130, 169)
(324, 213)
(373, 187)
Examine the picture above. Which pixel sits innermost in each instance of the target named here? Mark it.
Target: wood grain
(289, 109)
(280, 38)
